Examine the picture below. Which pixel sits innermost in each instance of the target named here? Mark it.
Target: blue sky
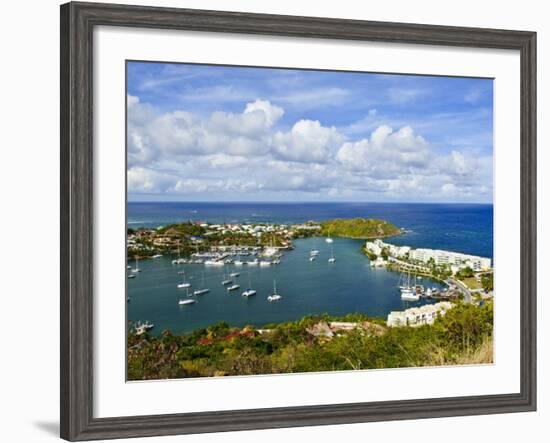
(215, 133)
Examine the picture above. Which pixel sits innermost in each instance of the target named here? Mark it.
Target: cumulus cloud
(248, 155)
(307, 141)
(385, 152)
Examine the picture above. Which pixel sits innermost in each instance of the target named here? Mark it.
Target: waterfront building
(423, 315)
(455, 260)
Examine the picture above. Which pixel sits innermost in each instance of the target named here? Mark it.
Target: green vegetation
(462, 336)
(487, 282)
(464, 273)
(471, 282)
(363, 228)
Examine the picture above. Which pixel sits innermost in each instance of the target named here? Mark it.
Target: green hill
(363, 228)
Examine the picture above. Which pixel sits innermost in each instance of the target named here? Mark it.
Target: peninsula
(191, 237)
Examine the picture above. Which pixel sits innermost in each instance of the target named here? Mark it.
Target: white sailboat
(329, 239)
(234, 274)
(249, 291)
(184, 284)
(136, 269)
(408, 291)
(233, 287)
(274, 296)
(331, 259)
(186, 301)
(226, 281)
(203, 290)
(177, 260)
(238, 262)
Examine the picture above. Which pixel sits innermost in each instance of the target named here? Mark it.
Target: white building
(451, 258)
(424, 315)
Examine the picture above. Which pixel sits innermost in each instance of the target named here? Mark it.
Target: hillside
(462, 336)
(363, 228)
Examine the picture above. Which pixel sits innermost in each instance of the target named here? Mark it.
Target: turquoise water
(349, 285)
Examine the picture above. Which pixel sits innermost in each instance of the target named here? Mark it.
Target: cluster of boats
(142, 327)
(315, 252)
(230, 283)
(411, 291)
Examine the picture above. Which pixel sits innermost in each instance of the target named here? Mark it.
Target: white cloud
(386, 152)
(270, 112)
(244, 156)
(307, 141)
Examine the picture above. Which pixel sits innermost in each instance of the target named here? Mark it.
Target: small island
(359, 228)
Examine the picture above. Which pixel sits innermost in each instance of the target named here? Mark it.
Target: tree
(487, 282)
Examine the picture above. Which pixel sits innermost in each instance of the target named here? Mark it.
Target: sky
(220, 133)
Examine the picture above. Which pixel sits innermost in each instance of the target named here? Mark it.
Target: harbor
(305, 287)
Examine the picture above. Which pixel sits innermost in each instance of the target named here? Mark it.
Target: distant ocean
(466, 228)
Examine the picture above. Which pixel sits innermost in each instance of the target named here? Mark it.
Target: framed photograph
(273, 221)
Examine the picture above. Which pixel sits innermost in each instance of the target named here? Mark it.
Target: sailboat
(238, 262)
(186, 301)
(184, 284)
(234, 274)
(203, 290)
(249, 291)
(177, 260)
(274, 296)
(136, 269)
(408, 292)
(328, 239)
(331, 259)
(226, 281)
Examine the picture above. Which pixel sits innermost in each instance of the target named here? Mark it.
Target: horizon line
(308, 202)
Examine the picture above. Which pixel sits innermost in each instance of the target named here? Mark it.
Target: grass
(472, 283)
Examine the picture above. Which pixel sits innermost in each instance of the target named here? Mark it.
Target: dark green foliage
(487, 282)
(466, 272)
(359, 228)
(289, 347)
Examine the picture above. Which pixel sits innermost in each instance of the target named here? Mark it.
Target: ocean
(348, 285)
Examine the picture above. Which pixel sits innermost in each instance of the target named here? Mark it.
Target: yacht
(331, 259)
(157, 256)
(213, 263)
(234, 274)
(141, 328)
(265, 263)
(136, 269)
(132, 276)
(274, 296)
(188, 301)
(249, 291)
(184, 284)
(329, 239)
(408, 291)
(238, 263)
(203, 290)
(252, 262)
(312, 258)
(233, 287)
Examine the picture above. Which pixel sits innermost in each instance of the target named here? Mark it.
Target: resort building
(455, 260)
(423, 315)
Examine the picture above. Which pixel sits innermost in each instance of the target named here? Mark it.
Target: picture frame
(78, 21)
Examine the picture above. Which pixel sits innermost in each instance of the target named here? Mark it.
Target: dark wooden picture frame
(77, 24)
